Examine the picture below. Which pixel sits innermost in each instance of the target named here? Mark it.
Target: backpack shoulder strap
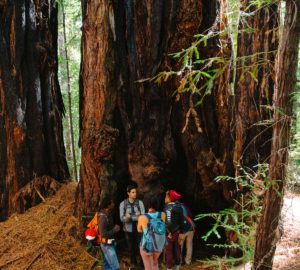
(190, 221)
(147, 215)
(125, 205)
(184, 210)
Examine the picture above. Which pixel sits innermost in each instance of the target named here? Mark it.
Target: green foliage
(240, 220)
(73, 19)
(198, 74)
(261, 3)
(96, 252)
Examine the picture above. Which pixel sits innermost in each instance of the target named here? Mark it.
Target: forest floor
(46, 238)
(287, 256)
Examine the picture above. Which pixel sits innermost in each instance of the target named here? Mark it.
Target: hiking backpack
(91, 233)
(154, 237)
(189, 224)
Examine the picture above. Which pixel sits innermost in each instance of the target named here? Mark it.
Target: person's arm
(121, 211)
(142, 223)
(123, 216)
(163, 217)
(103, 230)
(168, 225)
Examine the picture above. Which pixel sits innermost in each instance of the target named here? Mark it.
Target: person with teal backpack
(152, 225)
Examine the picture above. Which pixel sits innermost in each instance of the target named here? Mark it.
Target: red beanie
(174, 196)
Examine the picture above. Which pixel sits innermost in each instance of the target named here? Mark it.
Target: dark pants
(133, 241)
(173, 251)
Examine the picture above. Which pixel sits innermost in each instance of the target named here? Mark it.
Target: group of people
(139, 226)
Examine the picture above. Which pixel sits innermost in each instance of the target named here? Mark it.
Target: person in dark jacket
(175, 225)
(107, 231)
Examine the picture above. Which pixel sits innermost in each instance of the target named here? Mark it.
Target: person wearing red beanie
(175, 225)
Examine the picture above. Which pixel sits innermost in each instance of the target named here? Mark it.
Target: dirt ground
(287, 256)
(45, 238)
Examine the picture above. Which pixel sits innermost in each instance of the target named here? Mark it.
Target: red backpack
(92, 233)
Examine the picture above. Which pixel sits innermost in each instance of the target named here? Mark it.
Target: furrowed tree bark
(98, 99)
(205, 152)
(254, 84)
(31, 107)
(286, 67)
(139, 122)
(155, 154)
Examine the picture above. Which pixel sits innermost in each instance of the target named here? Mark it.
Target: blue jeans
(110, 259)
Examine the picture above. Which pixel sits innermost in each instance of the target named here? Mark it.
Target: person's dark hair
(130, 187)
(155, 202)
(105, 202)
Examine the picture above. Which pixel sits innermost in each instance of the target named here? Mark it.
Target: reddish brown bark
(286, 67)
(98, 95)
(254, 84)
(31, 108)
(129, 43)
(126, 42)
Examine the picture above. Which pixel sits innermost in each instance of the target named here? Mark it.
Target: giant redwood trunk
(98, 99)
(31, 107)
(257, 44)
(131, 129)
(286, 68)
(254, 84)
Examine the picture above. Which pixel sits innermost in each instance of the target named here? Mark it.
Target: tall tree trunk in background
(286, 67)
(98, 95)
(254, 84)
(31, 108)
(70, 115)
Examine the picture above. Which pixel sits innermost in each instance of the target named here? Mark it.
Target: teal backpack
(154, 237)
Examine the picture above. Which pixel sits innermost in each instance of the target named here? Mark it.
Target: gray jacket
(126, 208)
